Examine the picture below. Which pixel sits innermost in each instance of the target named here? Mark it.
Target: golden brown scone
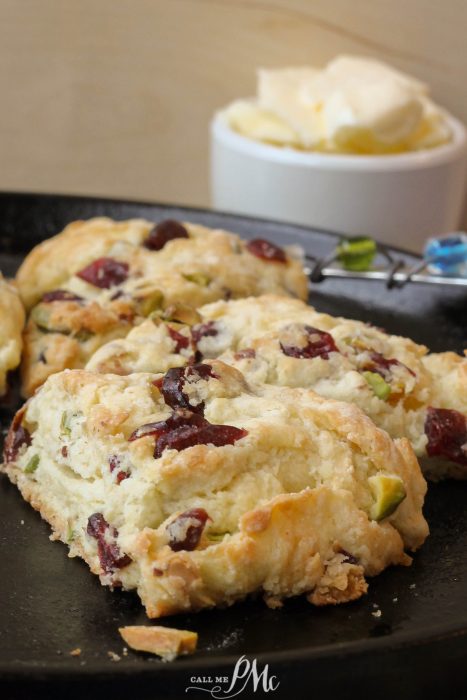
(281, 341)
(449, 376)
(11, 328)
(198, 488)
(446, 418)
(97, 279)
(166, 642)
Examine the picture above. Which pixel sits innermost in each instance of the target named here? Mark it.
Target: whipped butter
(353, 105)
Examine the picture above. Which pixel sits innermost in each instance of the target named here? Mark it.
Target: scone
(446, 419)
(283, 341)
(97, 279)
(198, 488)
(11, 328)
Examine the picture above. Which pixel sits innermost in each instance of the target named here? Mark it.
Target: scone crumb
(166, 642)
(113, 656)
(339, 584)
(75, 652)
(273, 601)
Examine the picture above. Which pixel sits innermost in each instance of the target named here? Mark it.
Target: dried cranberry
(181, 341)
(205, 433)
(97, 525)
(349, 558)
(266, 250)
(186, 530)
(317, 344)
(184, 429)
(196, 358)
(108, 550)
(152, 429)
(446, 431)
(245, 353)
(60, 295)
(175, 380)
(200, 371)
(163, 232)
(127, 317)
(104, 273)
(202, 330)
(115, 464)
(172, 389)
(382, 365)
(64, 451)
(121, 476)
(17, 437)
(176, 420)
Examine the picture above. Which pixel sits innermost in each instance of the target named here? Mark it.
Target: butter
(248, 119)
(353, 105)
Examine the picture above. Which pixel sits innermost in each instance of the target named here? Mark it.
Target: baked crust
(247, 334)
(11, 328)
(449, 376)
(167, 642)
(288, 503)
(205, 266)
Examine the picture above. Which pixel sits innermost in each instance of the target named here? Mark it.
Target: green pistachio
(32, 465)
(83, 335)
(182, 313)
(41, 316)
(388, 491)
(65, 423)
(150, 304)
(198, 278)
(216, 536)
(380, 387)
(70, 533)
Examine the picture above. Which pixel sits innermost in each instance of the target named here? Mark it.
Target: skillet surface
(50, 604)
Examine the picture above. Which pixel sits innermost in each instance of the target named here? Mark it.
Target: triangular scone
(97, 279)
(198, 488)
(284, 342)
(11, 329)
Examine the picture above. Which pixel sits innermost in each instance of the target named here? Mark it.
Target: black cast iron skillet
(51, 605)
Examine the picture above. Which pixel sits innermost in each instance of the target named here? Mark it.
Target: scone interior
(97, 279)
(11, 328)
(198, 488)
(284, 342)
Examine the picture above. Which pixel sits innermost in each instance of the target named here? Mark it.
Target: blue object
(447, 255)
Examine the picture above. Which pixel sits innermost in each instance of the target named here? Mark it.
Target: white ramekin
(399, 199)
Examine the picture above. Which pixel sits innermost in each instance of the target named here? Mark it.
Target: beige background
(113, 97)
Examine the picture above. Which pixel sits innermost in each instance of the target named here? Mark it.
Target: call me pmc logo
(245, 676)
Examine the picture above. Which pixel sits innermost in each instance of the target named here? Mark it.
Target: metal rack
(396, 273)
